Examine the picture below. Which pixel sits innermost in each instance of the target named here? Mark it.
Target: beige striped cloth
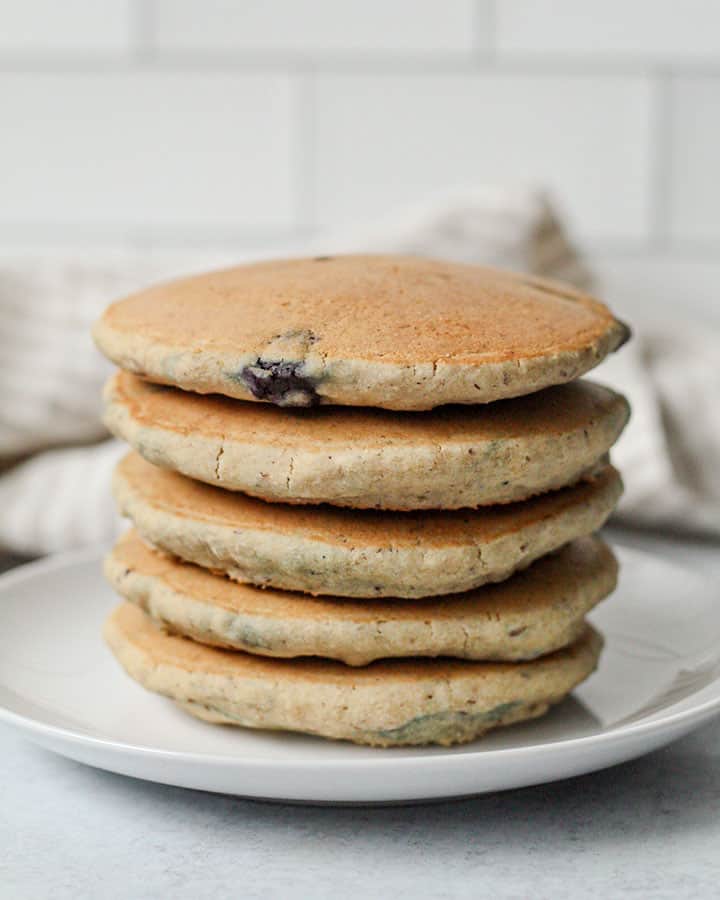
(55, 456)
(56, 459)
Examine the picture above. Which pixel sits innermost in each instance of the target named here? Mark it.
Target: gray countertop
(648, 828)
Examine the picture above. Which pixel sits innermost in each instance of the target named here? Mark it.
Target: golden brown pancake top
(387, 309)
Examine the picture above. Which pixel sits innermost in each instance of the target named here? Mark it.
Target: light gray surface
(649, 828)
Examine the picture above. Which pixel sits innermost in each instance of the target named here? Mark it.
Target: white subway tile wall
(147, 151)
(414, 133)
(695, 154)
(171, 123)
(320, 27)
(51, 28)
(657, 30)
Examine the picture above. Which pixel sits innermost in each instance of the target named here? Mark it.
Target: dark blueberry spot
(280, 382)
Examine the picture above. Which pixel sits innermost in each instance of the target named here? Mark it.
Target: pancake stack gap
(364, 492)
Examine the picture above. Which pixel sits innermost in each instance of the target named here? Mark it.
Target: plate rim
(450, 757)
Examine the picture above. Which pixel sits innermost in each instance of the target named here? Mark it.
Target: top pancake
(389, 331)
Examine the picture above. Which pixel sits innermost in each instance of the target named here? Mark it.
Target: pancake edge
(301, 562)
(359, 382)
(399, 477)
(428, 707)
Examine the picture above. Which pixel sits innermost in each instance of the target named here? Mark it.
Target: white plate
(658, 679)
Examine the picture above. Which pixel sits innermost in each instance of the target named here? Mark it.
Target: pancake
(534, 613)
(396, 332)
(388, 703)
(354, 553)
(449, 458)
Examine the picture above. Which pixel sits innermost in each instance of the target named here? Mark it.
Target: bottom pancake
(388, 703)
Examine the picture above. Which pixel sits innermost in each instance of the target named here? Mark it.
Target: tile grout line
(68, 234)
(369, 65)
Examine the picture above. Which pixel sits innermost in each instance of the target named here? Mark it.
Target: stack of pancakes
(364, 492)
